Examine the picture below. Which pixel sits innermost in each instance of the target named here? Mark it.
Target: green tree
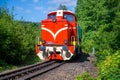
(62, 7)
(100, 24)
(17, 39)
(100, 20)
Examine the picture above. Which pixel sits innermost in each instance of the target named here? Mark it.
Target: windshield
(52, 16)
(69, 17)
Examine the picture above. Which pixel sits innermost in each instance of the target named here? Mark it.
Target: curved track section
(31, 71)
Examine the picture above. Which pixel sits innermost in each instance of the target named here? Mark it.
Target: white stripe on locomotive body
(60, 30)
(54, 35)
(62, 10)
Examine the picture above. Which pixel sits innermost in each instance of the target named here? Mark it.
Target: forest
(100, 22)
(17, 41)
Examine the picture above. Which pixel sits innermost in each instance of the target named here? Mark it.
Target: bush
(110, 68)
(86, 76)
(17, 39)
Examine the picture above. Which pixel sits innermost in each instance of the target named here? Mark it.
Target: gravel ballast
(69, 70)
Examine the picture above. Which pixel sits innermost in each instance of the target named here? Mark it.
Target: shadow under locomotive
(81, 57)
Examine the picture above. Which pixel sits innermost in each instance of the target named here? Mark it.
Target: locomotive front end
(58, 36)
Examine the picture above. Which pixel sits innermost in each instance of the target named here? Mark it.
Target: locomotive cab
(58, 36)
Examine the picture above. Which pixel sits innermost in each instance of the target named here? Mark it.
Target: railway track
(29, 72)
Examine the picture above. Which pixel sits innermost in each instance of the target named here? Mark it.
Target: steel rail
(41, 71)
(15, 74)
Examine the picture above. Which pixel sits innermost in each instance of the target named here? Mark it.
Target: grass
(86, 76)
(31, 59)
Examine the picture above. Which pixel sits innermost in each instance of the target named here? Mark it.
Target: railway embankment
(68, 71)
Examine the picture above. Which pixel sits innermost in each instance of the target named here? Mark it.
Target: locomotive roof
(61, 10)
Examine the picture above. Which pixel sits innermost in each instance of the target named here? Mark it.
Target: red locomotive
(61, 36)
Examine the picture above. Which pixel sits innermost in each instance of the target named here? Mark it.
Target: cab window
(52, 16)
(69, 17)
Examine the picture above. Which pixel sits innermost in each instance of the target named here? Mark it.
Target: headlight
(65, 48)
(42, 48)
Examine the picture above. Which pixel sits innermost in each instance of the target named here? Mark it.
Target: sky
(35, 10)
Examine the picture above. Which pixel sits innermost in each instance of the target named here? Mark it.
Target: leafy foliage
(100, 20)
(86, 76)
(111, 68)
(97, 20)
(17, 39)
